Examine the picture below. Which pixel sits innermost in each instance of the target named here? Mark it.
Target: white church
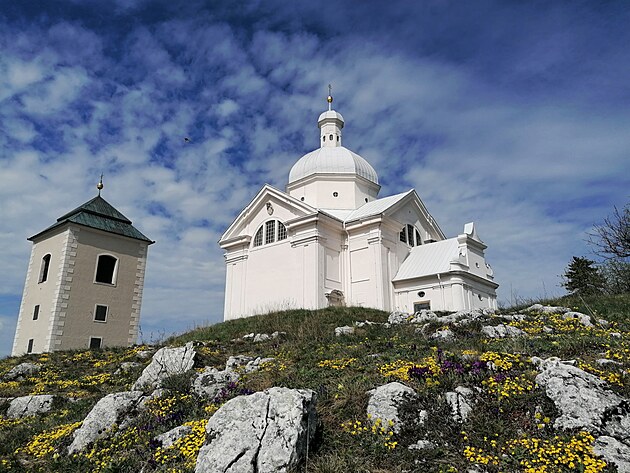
(330, 240)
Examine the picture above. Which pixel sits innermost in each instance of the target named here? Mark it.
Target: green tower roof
(101, 215)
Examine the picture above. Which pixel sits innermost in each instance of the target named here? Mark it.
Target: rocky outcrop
(167, 439)
(245, 364)
(345, 330)
(460, 402)
(582, 398)
(107, 411)
(386, 402)
(22, 371)
(29, 406)
(583, 318)
(547, 309)
(166, 362)
(266, 432)
(614, 451)
(585, 402)
(444, 335)
(210, 383)
(502, 331)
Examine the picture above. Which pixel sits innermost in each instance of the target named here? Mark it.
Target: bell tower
(84, 282)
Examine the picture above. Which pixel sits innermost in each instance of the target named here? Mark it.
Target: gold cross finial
(330, 98)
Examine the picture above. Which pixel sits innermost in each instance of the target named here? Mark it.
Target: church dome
(332, 160)
(331, 157)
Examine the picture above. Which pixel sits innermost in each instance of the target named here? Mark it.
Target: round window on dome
(335, 194)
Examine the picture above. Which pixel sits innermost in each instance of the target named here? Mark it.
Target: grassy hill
(510, 427)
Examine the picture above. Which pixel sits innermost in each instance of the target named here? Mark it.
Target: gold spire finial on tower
(330, 98)
(100, 186)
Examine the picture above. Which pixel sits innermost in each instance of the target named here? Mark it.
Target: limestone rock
(547, 309)
(127, 366)
(29, 406)
(345, 330)
(583, 318)
(210, 383)
(397, 317)
(607, 362)
(245, 364)
(424, 316)
(582, 398)
(21, 371)
(169, 438)
(385, 402)
(460, 402)
(445, 335)
(266, 432)
(261, 337)
(502, 331)
(107, 411)
(421, 445)
(614, 452)
(166, 362)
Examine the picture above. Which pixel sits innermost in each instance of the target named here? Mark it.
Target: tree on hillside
(612, 238)
(582, 277)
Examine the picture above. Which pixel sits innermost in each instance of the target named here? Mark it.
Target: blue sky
(510, 114)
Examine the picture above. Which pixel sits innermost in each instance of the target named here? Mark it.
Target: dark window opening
(403, 235)
(100, 313)
(418, 306)
(95, 343)
(29, 349)
(36, 312)
(105, 269)
(43, 275)
(335, 194)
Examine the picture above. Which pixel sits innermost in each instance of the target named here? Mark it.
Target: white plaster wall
(43, 294)
(275, 279)
(83, 293)
(351, 191)
(456, 292)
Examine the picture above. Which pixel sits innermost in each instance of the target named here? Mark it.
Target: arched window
(43, 272)
(410, 235)
(106, 269)
(269, 232)
(258, 239)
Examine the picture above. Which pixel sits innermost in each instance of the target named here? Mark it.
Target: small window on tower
(418, 238)
(36, 312)
(95, 343)
(100, 313)
(335, 194)
(29, 349)
(106, 269)
(331, 137)
(43, 274)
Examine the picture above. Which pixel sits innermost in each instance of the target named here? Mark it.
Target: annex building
(330, 240)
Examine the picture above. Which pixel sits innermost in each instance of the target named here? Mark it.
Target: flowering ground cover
(510, 428)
